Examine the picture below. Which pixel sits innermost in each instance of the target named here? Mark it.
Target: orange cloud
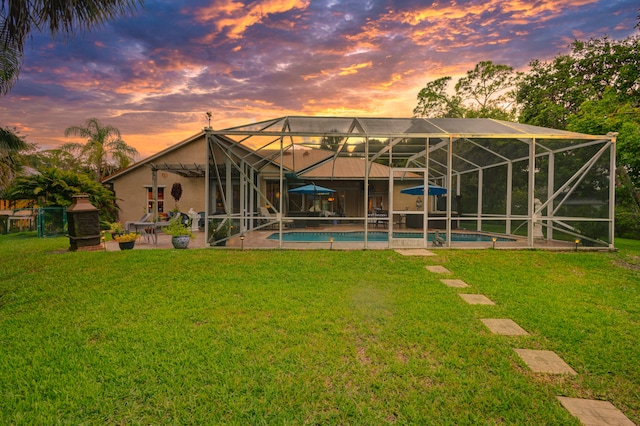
(450, 26)
(353, 69)
(237, 17)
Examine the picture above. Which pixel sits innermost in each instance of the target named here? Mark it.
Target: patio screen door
(407, 213)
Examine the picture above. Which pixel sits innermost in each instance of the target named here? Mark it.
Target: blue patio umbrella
(312, 188)
(419, 190)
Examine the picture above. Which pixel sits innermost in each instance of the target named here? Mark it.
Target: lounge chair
(271, 217)
(131, 226)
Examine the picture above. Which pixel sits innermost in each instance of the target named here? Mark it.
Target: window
(150, 199)
(273, 194)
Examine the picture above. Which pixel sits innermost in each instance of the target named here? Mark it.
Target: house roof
(307, 158)
(398, 127)
(149, 161)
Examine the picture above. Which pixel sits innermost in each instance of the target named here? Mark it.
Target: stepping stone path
(455, 283)
(415, 252)
(544, 362)
(505, 327)
(476, 299)
(437, 269)
(591, 412)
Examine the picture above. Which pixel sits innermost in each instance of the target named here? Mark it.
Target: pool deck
(258, 240)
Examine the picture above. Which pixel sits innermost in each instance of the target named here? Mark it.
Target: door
(408, 212)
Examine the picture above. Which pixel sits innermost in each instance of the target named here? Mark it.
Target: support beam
(480, 185)
(551, 174)
(509, 196)
(448, 186)
(530, 191)
(612, 189)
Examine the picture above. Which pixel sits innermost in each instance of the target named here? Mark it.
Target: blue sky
(155, 74)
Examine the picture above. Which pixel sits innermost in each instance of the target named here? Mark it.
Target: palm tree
(105, 151)
(19, 17)
(10, 146)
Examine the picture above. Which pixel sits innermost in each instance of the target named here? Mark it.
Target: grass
(310, 337)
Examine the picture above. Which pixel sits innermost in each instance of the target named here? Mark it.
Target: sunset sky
(155, 74)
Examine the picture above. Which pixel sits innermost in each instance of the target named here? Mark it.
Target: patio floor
(259, 240)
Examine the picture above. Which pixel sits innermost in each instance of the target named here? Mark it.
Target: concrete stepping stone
(476, 299)
(505, 327)
(437, 269)
(544, 362)
(415, 252)
(455, 283)
(592, 412)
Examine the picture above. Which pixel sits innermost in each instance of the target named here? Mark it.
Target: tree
(434, 101)
(19, 17)
(105, 151)
(11, 145)
(490, 88)
(486, 91)
(551, 91)
(53, 187)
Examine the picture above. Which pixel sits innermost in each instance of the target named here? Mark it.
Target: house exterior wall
(131, 187)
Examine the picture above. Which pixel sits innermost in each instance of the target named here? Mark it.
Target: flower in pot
(180, 234)
(116, 228)
(127, 241)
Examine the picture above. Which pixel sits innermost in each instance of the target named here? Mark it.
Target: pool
(374, 237)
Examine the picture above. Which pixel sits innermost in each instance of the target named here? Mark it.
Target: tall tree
(435, 101)
(486, 91)
(105, 151)
(11, 144)
(551, 91)
(18, 18)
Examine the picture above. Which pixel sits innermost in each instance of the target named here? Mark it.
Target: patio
(258, 239)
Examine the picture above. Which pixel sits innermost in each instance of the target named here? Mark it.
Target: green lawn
(309, 337)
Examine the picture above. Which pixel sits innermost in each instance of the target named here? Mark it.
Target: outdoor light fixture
(577, 241)
(103, 240)
(331, 243)
(494, 239)
(242, 242)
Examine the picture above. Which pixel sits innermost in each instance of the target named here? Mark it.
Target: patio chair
(438, 241)
(201, 220)
(270, 217)
(130, 226)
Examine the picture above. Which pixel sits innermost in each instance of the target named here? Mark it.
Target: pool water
(374, 237)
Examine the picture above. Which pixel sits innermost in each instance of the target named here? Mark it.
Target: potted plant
(180, 234)
(116, 228)
(127, 241)
(218, 231)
